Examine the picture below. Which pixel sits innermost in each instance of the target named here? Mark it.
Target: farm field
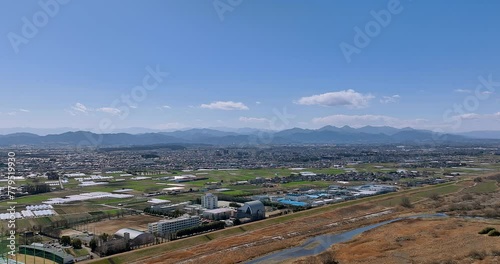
(424, 194)
(153, 184)
(226, 177)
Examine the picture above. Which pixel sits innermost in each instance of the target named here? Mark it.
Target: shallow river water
(319, 244)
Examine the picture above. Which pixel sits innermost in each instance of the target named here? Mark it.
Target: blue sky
(433, 64)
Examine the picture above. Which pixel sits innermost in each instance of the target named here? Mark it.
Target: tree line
(201, 229)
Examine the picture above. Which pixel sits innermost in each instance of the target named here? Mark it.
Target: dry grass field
(139, 222)
(422, 241)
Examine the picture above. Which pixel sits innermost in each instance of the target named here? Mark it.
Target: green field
(77, 252)
(236, 193)
(226, 177)
(315, 184)
(443, 190)
(483, 187)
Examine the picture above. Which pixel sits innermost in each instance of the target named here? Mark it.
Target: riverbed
(319, 244)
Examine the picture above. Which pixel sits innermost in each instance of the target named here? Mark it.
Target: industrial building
(296, 197)
(218, 214)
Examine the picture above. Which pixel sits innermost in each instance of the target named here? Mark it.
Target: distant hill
(482, 134)
(325, 135)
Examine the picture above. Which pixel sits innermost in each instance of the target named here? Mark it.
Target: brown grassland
(423, 241)
(138, 222)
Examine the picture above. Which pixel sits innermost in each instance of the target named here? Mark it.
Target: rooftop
(133, 233)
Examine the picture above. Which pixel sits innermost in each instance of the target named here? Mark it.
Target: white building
(73, 175)
(209, 201)
(218, 214)
(165, 227)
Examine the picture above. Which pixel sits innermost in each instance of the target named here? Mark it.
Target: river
(319, 244)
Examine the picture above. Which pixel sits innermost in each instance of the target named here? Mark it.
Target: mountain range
(325, 135)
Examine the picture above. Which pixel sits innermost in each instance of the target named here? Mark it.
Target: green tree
(65, 240)
(235, 205)
(93, 244)
(76, 243)
(104, 237)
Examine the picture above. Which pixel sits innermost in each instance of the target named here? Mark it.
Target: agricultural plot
(447, 189)
(315, 184)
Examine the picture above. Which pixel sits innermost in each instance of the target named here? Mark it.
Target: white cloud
(109, 110)
(341, 98)
(463, 91)
(469, 116)
(253, 119)
(229, 105)
(365, 120)
(474, 116)
(390, 99)
(258, 103)
(16, 112)
(163, 107)
(79, 107)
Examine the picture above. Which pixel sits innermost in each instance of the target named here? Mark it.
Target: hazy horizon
(143, 130)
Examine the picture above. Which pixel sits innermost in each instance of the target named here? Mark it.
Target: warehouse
(218, 214)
